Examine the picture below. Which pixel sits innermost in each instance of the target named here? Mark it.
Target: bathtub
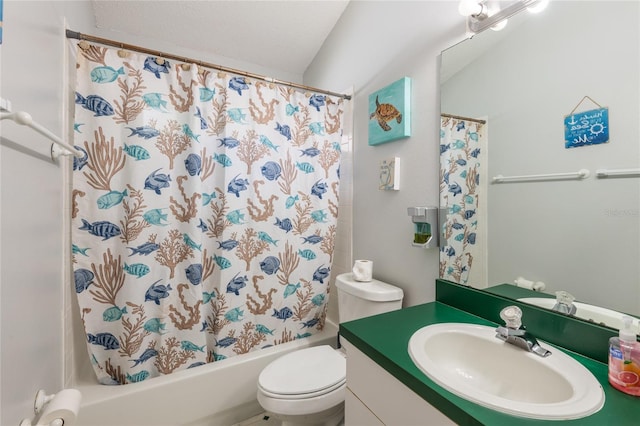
(220, 393)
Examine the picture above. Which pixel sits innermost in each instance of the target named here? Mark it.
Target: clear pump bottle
(624, 359)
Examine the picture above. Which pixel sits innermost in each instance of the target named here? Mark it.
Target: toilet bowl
(307, 387)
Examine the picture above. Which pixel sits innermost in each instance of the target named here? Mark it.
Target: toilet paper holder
(426, 222)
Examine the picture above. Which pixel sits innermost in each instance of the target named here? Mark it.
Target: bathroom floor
(259, 420)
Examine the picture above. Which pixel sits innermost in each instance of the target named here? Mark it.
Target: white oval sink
(585, 311)
(469, 361)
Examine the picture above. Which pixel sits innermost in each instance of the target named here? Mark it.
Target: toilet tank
(359, 299)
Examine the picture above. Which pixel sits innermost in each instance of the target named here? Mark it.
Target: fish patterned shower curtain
(461, 158)
(204, 212)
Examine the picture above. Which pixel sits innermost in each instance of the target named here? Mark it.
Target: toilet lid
(303, 372)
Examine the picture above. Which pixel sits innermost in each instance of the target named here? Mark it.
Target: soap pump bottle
(624, 359)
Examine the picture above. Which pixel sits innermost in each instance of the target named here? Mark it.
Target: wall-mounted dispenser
(426, 229)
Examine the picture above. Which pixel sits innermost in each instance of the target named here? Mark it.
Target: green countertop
(385, 338)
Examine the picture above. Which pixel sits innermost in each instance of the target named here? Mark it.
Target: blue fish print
(188, 241)
(222, 262)
(79, 163)
(310, 152)
(83, 278)
(475, 153)
(137, 269)
(263, 236)
(236, 284)
(206, 94)
(303, 335)
(290, 289)
(450, 252)
(319, 216)
(154, 325)
(206, 198)
(222, 159)
(106, 340)
(144, 132)
(317, 101)
(305, 167)
(284, 224)
(229, 142)
(111, 199)
(283, 313)
(457, 226)
(144, 249)
(156, 181)
(203, 122)
(193, 164)
(102, 229)
(266, 142)
(155, 101)
(290, 109)
(94, 103)
(471, 238)
(318, 189)
(468, 214)
(307, 254)
(196, 364)
(284, 130)
(236, 185)
(157, 292)
(271, 170)
(138, 377)
(270, 265)
(234, 315)
(106, 74)
(187, 131)
(291, 200)
(113, 313)
(191, 347)
(146, 356)
(317, 128)
(473, 136)
(228, 245)
(151, 64)
(218, 357)
(206, 298)
(321, 274)
(203, 226)
(444, 148)
(238, 84)
(455, 189)
(318, 299)
(155, 217)
(312, 239)
(137, 152)
(194, 273)
(460, 125)
(77, 250)
(461, 162)
(236, 115)
(76, 128)
(263, 329)
(227, 341)
(235, 217)
(310, 323)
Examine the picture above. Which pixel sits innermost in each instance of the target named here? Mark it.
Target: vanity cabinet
(374, 397)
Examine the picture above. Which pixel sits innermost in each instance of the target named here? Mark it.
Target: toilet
(307, 387)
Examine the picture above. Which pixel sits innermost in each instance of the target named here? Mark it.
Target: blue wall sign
(586, 128)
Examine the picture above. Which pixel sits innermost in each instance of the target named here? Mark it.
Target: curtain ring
(84, 45)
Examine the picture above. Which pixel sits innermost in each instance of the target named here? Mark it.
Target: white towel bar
(25, 119)
(605, 173)
(580, 174)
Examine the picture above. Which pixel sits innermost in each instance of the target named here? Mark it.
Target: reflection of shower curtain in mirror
(462, 178)
(205, 212)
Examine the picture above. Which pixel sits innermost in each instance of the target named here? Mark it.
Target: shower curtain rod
(459, 117)
(114, 43)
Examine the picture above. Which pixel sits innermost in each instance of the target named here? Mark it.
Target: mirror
(579, 235)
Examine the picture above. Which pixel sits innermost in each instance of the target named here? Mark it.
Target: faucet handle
(512, 316)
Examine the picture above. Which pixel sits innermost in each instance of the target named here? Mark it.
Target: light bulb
(538, 6)
(469, 7)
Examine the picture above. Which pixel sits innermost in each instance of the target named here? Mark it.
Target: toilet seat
(302, 374)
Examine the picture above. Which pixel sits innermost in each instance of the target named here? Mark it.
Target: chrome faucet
(515, 333)
(564, 303)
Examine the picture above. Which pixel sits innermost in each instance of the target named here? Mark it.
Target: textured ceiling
(279, 35)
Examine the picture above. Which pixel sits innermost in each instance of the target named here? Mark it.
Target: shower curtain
(461, 159)
(204, 212)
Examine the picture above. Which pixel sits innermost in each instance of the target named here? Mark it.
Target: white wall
(374, 44)
(578, 236)
(32, 306)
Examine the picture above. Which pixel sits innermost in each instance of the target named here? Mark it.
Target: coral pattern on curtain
(204, 212)
(460, 161)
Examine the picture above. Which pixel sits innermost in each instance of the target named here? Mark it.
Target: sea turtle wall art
(389, 112)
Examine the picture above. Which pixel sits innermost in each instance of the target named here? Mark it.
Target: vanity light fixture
(480, 16)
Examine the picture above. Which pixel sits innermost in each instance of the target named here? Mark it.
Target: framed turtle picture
(389, 112)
